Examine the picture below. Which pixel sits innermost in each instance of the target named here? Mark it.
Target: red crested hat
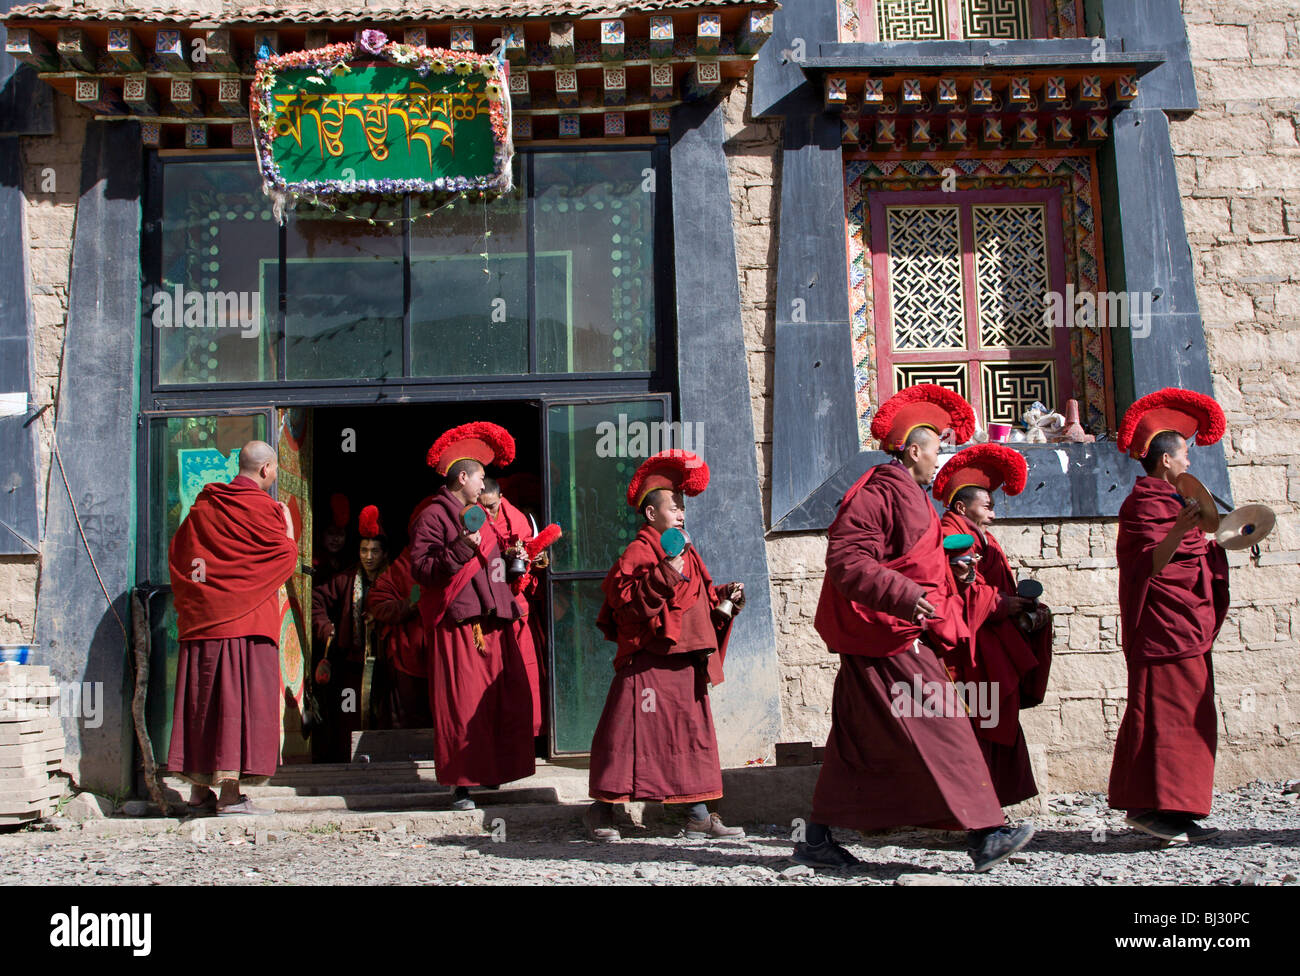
(340, 510)
(484, 442)
(675, 468)
(1183, 411)
(987, 466)
(923, 405)
(368, 526)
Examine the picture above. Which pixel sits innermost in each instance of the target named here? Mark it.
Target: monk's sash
(849, 627)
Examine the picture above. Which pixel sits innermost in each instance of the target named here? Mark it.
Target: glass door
(592, 446)
(183, 451)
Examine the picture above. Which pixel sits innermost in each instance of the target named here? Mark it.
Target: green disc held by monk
(472, 517)
(673, 541)
(1029, 589)
(956, 544)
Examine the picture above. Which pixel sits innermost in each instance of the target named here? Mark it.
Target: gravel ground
(1080, 842)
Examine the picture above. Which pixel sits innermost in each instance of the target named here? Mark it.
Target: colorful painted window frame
(1076, 176)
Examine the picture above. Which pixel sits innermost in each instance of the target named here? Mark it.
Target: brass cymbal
(1187, 485)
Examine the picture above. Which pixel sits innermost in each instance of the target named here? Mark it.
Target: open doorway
(376, 455)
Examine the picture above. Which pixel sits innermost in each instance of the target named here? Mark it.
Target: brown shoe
(599, 820)
(244, 808)
(713, 827)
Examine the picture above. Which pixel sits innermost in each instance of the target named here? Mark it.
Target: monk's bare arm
(853, 556)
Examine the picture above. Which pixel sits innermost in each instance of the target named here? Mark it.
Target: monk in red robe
(394, 603)
(1173, 597)
(655, 739)
(999, 655)
(479, 677)
(227, 563)
(900, 751)
(515, 529)
(345, 676)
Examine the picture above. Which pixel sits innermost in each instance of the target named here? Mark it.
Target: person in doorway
(330, 557)
(345, 675)
(889, 609)
(1173, 597)
(656, 739)
(999, 655)
(394, 602)
(227, 562)
(479, 685)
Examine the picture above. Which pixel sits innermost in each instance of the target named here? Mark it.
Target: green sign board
(331, 125)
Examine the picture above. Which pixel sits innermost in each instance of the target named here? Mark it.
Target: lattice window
(1011, 275)
(938, 20)
(912, 20)
(960, 283)
(925, 278)
(1000, 19)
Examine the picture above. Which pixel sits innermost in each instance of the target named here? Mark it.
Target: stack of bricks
(31, 744)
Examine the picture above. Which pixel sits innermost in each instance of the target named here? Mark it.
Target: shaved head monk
(999, 654)
(227, 563)
(479, 686)
(1173, 597)
(655, 739)
(889, 608)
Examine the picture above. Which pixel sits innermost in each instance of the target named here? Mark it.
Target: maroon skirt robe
(1165, 750)
(226, 717)
(1002, 656)
(888, 762)
(656, 739)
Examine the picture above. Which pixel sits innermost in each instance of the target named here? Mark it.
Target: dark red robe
(406, 649)
(1164, 753)
(480, 696)
(1000, 655)
(227, 563)
(890, 763)
(655, 739)
(513, 526)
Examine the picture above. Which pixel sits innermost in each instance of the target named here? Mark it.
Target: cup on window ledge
(998, 432)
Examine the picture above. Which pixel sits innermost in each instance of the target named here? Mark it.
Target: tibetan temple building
(734, 226)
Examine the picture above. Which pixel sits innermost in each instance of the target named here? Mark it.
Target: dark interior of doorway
(377, 455)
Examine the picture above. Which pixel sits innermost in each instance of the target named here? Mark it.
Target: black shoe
(827, 854)
(1156, 824)
(997, 845)
(1194, 832)
(460, 799)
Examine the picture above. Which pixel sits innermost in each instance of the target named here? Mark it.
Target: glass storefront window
(469, 287)
(584, 666)
(344, 295)
(595, 266)
(220, 252)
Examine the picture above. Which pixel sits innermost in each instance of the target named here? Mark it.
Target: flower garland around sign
(337, 59)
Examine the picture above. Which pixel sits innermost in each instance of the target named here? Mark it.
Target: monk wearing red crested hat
(346, 630)
(227, 562)
(655, 739)
(1000, 655)
(1173, 597)
(889, 608)
(478, 679)
(394, 603)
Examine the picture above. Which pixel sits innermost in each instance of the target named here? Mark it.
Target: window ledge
(1065, 481)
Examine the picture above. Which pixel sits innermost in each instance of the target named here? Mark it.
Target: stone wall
(51, 185)
(1239, 166)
